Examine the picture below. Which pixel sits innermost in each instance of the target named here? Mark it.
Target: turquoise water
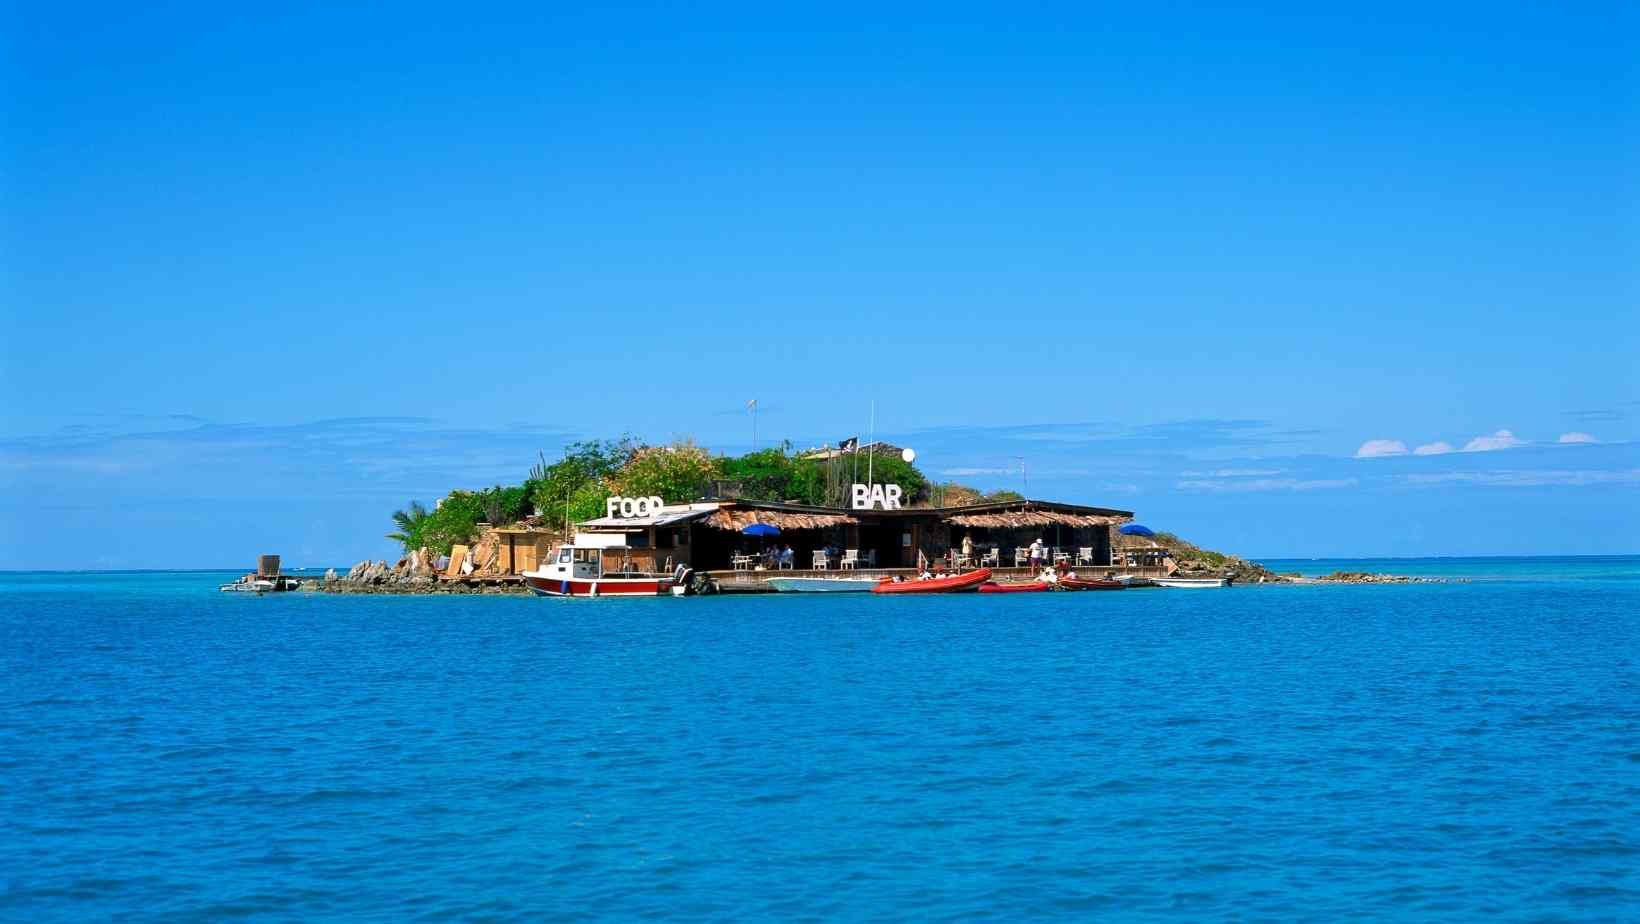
(1534, 568)
(1422, 752)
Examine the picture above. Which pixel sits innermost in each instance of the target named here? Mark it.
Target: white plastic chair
(821, 561)
(851, 559)
(1084, 555)
(1022, 557)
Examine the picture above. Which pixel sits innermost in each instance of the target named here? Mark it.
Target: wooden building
(711, 535)
(520, 550)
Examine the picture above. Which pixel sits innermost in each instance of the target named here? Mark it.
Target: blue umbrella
(761, 529)
(1134, 529)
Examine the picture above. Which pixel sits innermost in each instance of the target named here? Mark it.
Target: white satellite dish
(909, 455)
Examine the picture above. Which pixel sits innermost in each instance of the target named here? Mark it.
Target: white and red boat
(597, 565)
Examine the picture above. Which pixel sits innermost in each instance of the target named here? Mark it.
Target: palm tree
(409, 521)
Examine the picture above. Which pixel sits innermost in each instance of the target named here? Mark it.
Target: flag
(849, 445)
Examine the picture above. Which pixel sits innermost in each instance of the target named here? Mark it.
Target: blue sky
(266, 277)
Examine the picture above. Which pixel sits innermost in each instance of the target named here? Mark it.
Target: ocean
(1408, 752)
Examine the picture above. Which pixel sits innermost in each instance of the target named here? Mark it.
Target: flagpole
(871, 444)
(753, 405)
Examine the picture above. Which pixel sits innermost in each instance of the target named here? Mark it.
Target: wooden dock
(754, 582)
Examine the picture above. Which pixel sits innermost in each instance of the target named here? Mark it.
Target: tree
(453, 522)
(891, 469)
(1004, 495)
(675, 473)
(574, 487)
(410, 521)
(764, 475)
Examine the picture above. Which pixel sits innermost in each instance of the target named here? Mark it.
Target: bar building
(712, 535)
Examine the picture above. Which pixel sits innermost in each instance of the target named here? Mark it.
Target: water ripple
(1435, 752)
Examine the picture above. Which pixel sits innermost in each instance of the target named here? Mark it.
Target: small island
(483, 541)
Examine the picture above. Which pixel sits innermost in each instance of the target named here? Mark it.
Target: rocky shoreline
(1367, 577)
(412, 575)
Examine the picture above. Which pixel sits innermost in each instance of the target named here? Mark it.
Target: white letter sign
(633, 506)
(877, 496)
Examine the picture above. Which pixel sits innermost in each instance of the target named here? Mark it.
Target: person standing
(1036, 554)
(968, 547)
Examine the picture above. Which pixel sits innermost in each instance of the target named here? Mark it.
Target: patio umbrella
(761, 529)
(1134, 529)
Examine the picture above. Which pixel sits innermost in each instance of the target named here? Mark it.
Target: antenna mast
(871, 440)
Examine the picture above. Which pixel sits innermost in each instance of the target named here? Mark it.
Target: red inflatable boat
(955, 584)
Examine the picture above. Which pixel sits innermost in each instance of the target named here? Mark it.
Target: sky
(1297, 281)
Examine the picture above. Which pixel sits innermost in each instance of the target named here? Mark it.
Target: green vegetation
(575, 487)
(679, 472)
(455, 518)
(409, 521)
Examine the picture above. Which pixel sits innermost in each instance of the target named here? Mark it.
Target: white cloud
(963, 472)
(1437, 448)
(1503, 439)
(1529, 479)
(1577, 436)
(1373, 449)
(1266, 484)
(1233, 473)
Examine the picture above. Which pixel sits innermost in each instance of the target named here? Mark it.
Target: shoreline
(381, 581)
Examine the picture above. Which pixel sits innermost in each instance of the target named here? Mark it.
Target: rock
(330, 576)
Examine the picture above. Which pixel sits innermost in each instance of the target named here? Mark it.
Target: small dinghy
(1091, 584)
(1031, 587)
(956, 584)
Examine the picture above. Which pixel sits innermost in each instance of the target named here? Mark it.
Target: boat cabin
(591, 556)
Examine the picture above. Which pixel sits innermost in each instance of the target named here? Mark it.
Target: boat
(249, 584)
(597, 565)
(256, 584)
(991, 587)
(955, 584)
(1069, 583)
(1133, 580)
(822, 585)
(1188, 583)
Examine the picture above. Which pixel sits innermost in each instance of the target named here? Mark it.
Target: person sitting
(787, 556)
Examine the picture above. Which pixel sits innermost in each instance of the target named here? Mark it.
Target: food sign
(633, 506)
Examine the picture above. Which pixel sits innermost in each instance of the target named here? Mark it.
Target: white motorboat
(1188, 583)
(598, 565)
(255, 584)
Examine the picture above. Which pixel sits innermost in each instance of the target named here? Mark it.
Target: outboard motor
(681, 576)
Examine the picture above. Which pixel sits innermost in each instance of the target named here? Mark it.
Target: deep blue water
(1426, 752)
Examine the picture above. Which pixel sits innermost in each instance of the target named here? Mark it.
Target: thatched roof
(1013, 519)
(738, 520)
